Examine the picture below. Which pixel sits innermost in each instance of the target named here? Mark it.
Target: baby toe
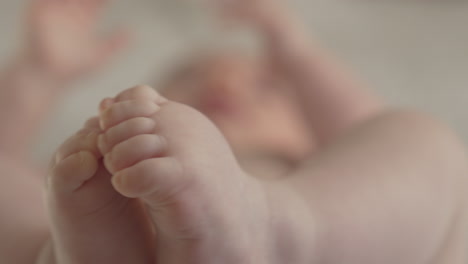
(125, 130)
(141, 92)
(134, 150)
(106, 103)
(125, 110)
(157, 177)
(76, 160)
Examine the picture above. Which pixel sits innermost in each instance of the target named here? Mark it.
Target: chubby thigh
(393, 190)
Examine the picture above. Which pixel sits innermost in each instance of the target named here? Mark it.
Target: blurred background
(413, 53)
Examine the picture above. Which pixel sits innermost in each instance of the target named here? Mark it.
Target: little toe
(125, 130)
(106, 103)
(134, 150)
(141, 92)
(125, 110)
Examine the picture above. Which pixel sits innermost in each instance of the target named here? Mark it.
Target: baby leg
(204, 207)
(393, 190)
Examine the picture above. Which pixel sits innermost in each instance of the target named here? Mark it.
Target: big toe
(76, 161)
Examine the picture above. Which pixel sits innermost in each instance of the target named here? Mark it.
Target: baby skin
(202, 207)
(154, 181)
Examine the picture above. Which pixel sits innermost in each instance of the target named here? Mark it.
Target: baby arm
(61, 47)
(331, 97)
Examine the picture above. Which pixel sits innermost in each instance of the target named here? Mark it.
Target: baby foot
(205, 209)
(91, 222)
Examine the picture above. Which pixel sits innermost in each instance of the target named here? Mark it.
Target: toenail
(102, 124)
(118, 180)
(102, 143)
(105, 104)
(161, 100)
(108, 162)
